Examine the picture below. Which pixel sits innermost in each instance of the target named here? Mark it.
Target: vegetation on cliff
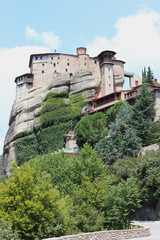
(58, 114)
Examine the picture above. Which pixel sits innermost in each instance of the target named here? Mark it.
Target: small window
(66, 70)
(41, 57)
(85, 64)
(109, 85)
(67, 64)
(71, 74)
(57, 62)
(36, 58)
(95, 61)
(42, 71)
(54, 64)
(109, 77)
(51, 58)
(58, 57)
(55, 71)
(43, 64)
(51, 62)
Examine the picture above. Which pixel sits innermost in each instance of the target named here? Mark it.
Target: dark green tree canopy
(90, 129)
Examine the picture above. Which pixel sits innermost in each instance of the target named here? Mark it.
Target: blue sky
(129, 27)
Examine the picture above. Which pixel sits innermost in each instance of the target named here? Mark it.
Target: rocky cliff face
(24, 113)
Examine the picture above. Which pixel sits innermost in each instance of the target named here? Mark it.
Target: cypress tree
(150, 76)
(143, 113)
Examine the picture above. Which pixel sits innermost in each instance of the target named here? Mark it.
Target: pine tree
(147, 76)
(142, 113)
(144, 76)
(150, 76)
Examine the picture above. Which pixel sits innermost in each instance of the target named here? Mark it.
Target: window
(95, 61)
(42, 71)
(55, 71)
(54, 64)
(85, 64)
(36, 58)
(41, 57)
(71, 74)
(58, 57)
(43, 64)
(51, 58)
(66, 70)
(57, 62)
(67, 64)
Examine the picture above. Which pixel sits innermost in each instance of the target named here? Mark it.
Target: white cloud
(48, 38)
(32, 34)
(13, 62)
(51, 40)
(137, 41)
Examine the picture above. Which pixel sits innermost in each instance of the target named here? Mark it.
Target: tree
(6, 232)
(147, 76)
(131, 143)
(68, 173)
(112, 112)
(150, 76)
(88, 202)
(108, 150)
(121, 202)
(121, 136)
(143, 113)
(29, 204)
(144, 75)
(90, 129)
(149, 177)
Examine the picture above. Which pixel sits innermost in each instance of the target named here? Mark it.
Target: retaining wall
(107, 235)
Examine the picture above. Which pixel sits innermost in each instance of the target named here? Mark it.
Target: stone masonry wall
(107, 235)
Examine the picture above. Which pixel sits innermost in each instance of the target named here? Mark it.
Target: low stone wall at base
(107, 235)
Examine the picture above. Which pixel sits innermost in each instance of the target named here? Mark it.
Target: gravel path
(154, 229)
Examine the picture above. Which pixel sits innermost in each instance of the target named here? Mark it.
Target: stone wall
(107, 235)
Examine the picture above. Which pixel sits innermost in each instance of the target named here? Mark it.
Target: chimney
(155, 82)
(81, 50)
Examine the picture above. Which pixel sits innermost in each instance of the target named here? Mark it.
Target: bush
(6, 232)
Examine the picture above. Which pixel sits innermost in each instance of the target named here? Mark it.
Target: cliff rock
(24, 111)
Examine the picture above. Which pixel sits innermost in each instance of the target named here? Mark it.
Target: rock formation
(24, 113)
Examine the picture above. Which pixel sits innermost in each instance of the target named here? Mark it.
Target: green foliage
(108, 150)
(122, 140)
(125, 168)
(52, 138)
(142, 113)
(25, 148)
(113, 111)
(149, 177)
(88, 202)
(57, 116)
(6, 232)
(147, 76)
(153, 133)
(68, 173)
(131, 144)
(90, 129)
(121, 202)
(58, 166)
(29, 204)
